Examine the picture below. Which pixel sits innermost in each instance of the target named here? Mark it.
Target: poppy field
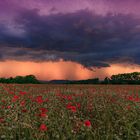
(69, 112)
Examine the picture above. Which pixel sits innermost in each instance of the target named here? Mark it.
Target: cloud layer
(83, 37)
(93, 33)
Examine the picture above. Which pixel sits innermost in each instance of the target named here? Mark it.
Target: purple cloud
(90, 32)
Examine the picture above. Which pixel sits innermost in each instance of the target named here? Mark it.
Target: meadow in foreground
(69, 112)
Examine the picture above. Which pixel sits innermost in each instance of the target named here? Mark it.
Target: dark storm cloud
(82, 36)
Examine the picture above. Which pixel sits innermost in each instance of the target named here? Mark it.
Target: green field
(69, 112)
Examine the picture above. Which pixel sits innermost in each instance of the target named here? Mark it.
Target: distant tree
(2, 80)
(31, 79)
(20, 79)
(106, 80)
(126, 78)
(135, 75)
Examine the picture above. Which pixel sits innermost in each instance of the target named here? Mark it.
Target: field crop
(69, 112)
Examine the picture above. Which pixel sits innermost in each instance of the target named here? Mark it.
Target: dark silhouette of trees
(88, 81)
(106, 81)
(125, 78)
(30, 79)
(20, 80)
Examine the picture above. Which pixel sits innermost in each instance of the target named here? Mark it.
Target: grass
(69, 112)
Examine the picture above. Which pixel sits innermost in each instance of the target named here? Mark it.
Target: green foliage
(69, 112)
(126, 78)
(20, 79)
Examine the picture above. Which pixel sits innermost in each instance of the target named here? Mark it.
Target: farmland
(69, 112)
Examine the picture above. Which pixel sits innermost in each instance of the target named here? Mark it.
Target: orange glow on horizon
(61, 70)
(116, 69)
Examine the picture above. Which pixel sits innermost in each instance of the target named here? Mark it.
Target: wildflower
(130, 98)
(30, 97)
(1, 120)
(3, 101)
(15, 98)
(8, 106)
(69, 106)
(43, 127)
(87, 123)
(69, 97)
(42, 114)
(128, 107)
(22, 93)
(39, 99)
(3, 107)
(24, 110)
(73, 108)
(43, 110)
(137, 99)
(22, 103)
(78, 105)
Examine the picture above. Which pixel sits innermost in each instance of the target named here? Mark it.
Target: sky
(69, 39)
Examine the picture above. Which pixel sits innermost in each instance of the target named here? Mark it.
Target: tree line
(20, 80)
(125, 78)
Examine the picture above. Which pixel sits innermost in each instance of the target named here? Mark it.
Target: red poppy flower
(73, 108)
(39, 99)
(15, 98)
(69, 106)
(137, 99)
(3, 101)
(130, 98)
(22, 103)
(69, 98)
(3, 107)
(8, 106)
(42, 115)
(22, 93)
(128, 107)
(43, 110)
(87, 123)
(24, 110)
(78, 105)
(1, 120)
(10, 92)
(43, 127)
